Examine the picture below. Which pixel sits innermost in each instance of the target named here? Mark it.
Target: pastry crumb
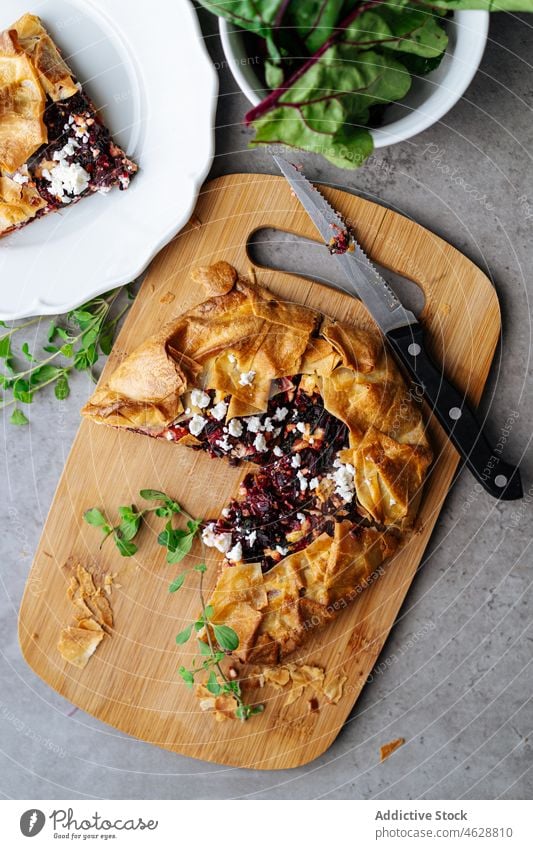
(92, 614)
(167, 298)
(387, 750)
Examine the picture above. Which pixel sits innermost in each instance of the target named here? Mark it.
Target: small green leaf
(126, 548)
(153, 495)
(21, 391)
(184, 635)
(187, 676)
(95, 517)
(67, 350)
(66, 337)
(105, 340)
(131, 520)
(226, 637)
(51, 349)
(5, 347)
(62, 388)
(18, 417)
(209, 610)
(212, 684)
(25, 348)
(52, 330)
(177, 583)
(200, 567)
(204, 648)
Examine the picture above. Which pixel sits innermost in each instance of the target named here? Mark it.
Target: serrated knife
(406, 338)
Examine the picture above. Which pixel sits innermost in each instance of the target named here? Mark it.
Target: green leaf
(177, 583)
(63, 334)
(130, 521)
(62, 388)
(153, 495)
(25, 348)
(51, 349)
(67, 350)
(226, 637)
(212, 684)
(5, 347)
(21, 391)
(105, 340)
(200, 567)
(95, 517)
(204, 648)
(208, 611)
(52, 330)
(187, 676)
(44, 374)
(126, 548)
(184, 635)
(18, 417)
(258, 17)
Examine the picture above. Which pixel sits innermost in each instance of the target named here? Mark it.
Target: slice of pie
(336, 442)
(54, 148)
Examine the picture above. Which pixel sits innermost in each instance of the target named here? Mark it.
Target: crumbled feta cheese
(247, 378)
(304, 483)
(213, 540)
(199, 398)
(232, 358)
(20, 178)
(260, 443)
(168, 435)
(223, 443)
(251, 538)
(235, 553)
(226, 512)
(268, 426)
(296, 461)
(197, 424)
(235, 428)
(277, 432)
(67, 180)
(300, 517)
(253, 424)
(313, 483)
(219, 410)
(280, 413)
(344, 480)
(392, 502)
(277, 451)
(188, 411)
(283, 551)
(300, 426)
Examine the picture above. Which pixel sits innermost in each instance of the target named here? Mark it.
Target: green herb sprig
(73, 344)
(219, 639)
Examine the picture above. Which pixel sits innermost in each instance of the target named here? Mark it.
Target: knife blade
(406, 338)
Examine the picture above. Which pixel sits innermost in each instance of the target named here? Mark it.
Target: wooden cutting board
(131, 681)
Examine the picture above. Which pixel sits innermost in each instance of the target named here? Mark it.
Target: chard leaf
(326, 107)
(314, 20)
(257, 16)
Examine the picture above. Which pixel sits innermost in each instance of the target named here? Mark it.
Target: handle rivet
(414, 349)
(500, 480)
(455, 413)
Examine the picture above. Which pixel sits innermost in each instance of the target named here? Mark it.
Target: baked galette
(54, 149)
(336, 443)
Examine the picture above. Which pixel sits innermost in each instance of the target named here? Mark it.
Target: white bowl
(430, 97)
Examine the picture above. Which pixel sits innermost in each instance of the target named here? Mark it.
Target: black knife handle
(458, 420)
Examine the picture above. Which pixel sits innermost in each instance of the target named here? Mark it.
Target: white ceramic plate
(157, 92)
(430, 97)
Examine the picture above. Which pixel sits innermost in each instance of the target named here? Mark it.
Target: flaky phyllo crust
(241, 328)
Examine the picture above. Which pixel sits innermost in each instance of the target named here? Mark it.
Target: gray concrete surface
(455, 677)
